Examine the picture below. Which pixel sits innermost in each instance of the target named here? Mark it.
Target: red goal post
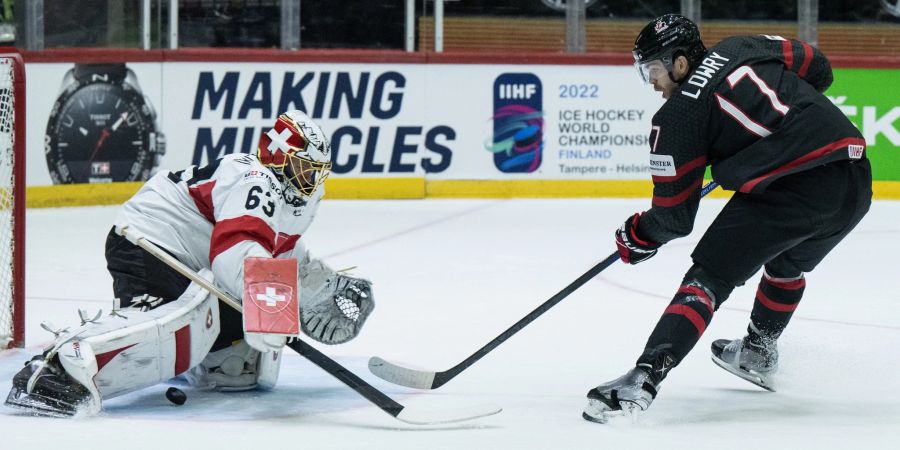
(12, 199)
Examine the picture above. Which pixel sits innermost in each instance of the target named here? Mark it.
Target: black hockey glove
(633, 249)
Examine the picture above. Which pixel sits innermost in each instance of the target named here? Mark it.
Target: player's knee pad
(132, 349)
(236, 368)
(681, 325)
(717, 288)
(779, 270)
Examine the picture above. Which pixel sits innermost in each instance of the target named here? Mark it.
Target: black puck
(176, 396)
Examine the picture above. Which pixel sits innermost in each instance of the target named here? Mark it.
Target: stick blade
(423, 417)
(388, 371)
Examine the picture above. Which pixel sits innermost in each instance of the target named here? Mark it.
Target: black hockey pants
(137, 274)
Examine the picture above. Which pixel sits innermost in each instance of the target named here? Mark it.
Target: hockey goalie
(214, 219)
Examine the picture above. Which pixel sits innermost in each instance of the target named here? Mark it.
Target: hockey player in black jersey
(752, 108)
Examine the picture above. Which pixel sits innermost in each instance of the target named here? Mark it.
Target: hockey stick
(424, 379)
(318, 358)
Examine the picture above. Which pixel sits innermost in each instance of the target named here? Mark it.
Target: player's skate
(754, 360)
(627, 394)
(44, 388)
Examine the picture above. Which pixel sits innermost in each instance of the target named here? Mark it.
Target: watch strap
(111, 73)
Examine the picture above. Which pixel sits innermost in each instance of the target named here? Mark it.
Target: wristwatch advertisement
(102, 128)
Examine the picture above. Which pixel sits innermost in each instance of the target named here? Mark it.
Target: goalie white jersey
(216, 215)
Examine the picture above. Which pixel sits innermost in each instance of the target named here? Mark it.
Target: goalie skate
(754, 362)
(42, 388)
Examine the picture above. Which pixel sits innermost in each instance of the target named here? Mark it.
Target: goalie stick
(378, 398)
(425, 379)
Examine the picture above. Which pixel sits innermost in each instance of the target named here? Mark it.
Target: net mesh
(7, 217)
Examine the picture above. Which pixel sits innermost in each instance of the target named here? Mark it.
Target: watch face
(100, 132)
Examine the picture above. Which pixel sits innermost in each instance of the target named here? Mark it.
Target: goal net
(12, 199)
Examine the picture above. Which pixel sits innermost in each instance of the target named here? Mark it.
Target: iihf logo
(518, 139)
(660, 26)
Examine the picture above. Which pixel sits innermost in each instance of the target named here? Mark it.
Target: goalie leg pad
(269, 367)
(120, 353)
(230, 369)
(237, 368)
(132, 350)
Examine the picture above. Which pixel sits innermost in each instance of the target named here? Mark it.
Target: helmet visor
(306, 175)
(653, 69)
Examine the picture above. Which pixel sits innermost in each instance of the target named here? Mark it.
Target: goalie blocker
(271, 313)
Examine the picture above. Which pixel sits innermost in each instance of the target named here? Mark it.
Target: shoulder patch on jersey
(662, 165)
(856, 151)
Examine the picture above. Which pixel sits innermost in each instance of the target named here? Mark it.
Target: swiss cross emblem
(278, 140)
(284, 137)
(271, 297)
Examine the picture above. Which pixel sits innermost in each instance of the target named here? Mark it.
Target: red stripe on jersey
(202, 195)
(699, 293)
(679, 197)
(768, 303)
(688, 313)
(104, 358)
(182, 349)
(228, 232)
(684, 169)
(819, 152)
(788, 50)
(807, 59)
(284, 243)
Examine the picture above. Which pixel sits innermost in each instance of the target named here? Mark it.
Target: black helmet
(663, 38)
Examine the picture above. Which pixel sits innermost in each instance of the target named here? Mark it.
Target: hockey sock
(679, 329)
(776, 300)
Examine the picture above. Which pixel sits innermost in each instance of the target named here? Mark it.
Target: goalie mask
(661, 41)
(297, 150)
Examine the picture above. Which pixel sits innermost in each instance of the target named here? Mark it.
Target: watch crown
(160, 144)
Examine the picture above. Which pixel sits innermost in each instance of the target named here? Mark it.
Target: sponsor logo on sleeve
(856, 151)
(662, 165)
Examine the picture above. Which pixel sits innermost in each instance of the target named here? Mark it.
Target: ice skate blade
(598, 412)
(761, 380)
(37, 408)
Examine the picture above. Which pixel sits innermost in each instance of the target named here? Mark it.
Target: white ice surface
(451, 275)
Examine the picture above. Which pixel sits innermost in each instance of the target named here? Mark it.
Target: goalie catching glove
(333, 305)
